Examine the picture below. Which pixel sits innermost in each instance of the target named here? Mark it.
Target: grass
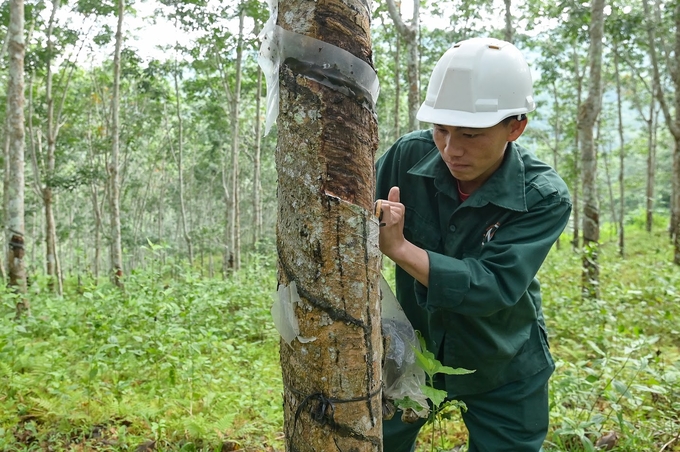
(188, 363)
(180, 362)
(618, 358)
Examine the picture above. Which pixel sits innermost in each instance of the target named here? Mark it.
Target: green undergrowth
(617, 382)
(180, 362)
(617, 377)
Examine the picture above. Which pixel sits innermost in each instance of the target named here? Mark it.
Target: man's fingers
(381, 205)
(393, 195)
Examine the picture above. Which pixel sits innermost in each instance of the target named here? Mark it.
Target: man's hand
(391, 217)
(393, 244)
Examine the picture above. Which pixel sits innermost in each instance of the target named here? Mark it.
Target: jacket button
(452, 228)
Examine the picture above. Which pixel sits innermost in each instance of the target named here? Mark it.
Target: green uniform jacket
(482, 309)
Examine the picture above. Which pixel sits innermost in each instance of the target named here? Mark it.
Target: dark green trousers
(512, 418)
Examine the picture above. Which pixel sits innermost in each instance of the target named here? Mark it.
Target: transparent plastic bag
(402, 377)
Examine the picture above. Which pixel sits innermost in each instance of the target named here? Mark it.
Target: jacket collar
(505, 188)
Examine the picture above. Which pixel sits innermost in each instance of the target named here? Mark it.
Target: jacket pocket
(421, 231)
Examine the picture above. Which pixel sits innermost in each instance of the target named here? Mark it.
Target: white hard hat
(478, 83)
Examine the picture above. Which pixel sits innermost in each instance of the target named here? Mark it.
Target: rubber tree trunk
(51, 257)
(114, 176)
(232, 254)
(327, 241)
(588, 114)
(622, 153)
(16, 267)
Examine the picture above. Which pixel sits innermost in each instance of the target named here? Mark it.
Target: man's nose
(453, 148)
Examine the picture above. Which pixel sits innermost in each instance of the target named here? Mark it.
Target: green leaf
(621, 388)
(431, 365)
(592, 378)
(437, 396)
(453, 371)
(597, 349)
(407, 403)
(426, 361)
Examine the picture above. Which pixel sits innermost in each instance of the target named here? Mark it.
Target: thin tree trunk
(231, 259)
(16, 266)
(5, 184)
(672, 122)
(588, 114)
(557, 134)
(257, 165)
(235, 214)
(622, 154)
(227, 255)
(114, 170)
(651, 167)
(162, 188)
(98, 227)
(94, 194)
(610, 188)
(327, 242)
(410, 33)
(509, 31)
(575, 193)
(180, 170)
(96, 211)
(53, 271)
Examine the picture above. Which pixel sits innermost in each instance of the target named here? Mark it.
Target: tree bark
(327, 241)
(16, 266)
(509, 31)
(589, 111)
(113, 168)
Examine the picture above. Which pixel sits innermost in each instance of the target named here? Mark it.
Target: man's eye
(470, 135)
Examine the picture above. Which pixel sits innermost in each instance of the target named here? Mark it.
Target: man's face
(472, 155)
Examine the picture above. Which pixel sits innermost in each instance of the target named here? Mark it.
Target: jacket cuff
(449, 281)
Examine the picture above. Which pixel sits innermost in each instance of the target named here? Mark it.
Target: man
(469, 216)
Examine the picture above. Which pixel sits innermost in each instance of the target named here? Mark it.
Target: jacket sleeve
(393, 165)
(505, 267)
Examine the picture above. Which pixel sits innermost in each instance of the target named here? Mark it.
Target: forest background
(186, 357)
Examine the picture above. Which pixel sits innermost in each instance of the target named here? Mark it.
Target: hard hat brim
(477, 120)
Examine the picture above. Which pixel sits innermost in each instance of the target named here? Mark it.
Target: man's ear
(517, 128)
